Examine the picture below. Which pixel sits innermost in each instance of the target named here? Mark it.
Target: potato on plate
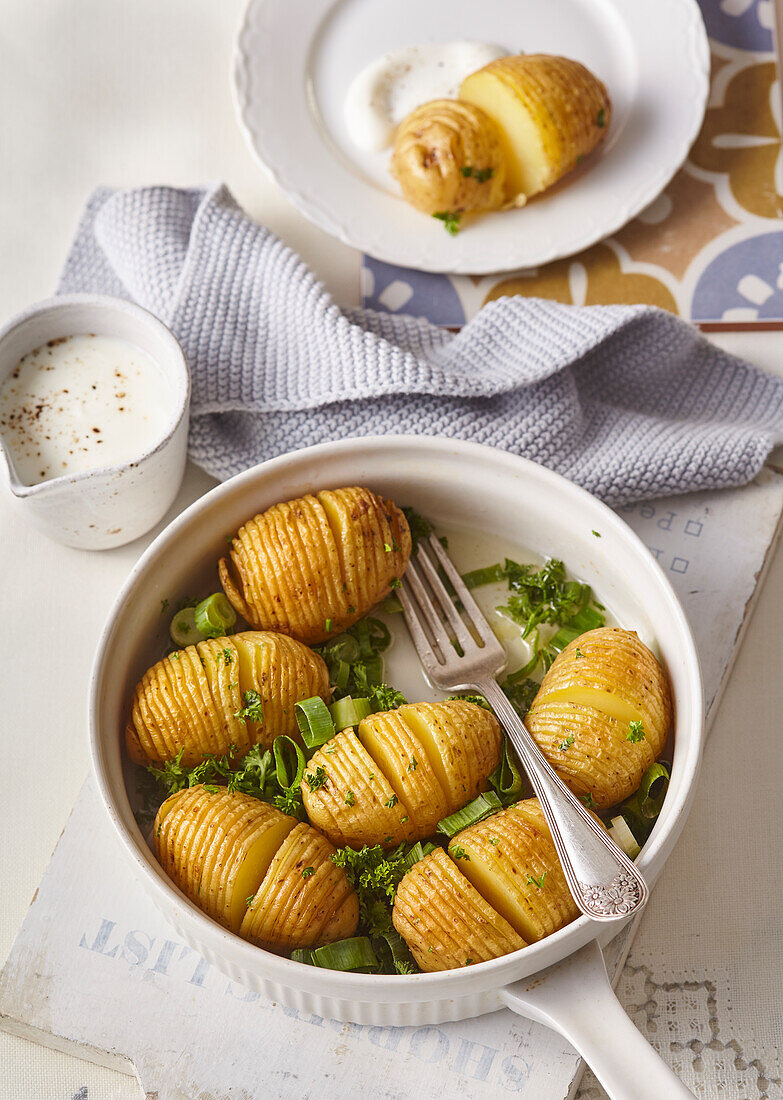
(551, 111)
(602, 714)
(239, 690)
(448, 157)
(445, 921)
(314, 566)
(401, 772)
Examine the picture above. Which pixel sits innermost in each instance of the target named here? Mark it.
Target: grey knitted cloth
(627, 401)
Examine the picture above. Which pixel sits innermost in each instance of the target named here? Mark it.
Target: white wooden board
(96, 971)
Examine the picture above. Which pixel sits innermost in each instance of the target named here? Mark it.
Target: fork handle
(604, 882)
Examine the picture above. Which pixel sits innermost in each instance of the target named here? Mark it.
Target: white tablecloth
(128, 93)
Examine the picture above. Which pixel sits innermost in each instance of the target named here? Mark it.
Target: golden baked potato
(401, 772)
(449, 156)
(511, 860)
(551, 112)
(602, 714)
(312, 567)
(192, 699)
(254, 869)
(304, 899)
(217, 847)
(445, 921)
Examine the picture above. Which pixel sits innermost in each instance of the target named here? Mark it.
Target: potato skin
(445, 921)
(401, 772)
(202, 839)
(512, 848)
(314, 566)
(189, 700)
(567, 112)
(580, 717)
(433, 146)
(304, 899)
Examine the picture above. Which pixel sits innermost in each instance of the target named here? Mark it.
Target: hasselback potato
(448, 156)
(602, 714)
(551, 111)
(445, 921)
(401, 772)
(304, 899)
(255, 870)
(312, 567)
(512, 862)
(192, 699)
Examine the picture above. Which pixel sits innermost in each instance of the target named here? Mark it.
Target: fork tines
(434, 616)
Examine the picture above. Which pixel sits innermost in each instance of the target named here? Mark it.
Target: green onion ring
(354, 953)
(215, 616)
(314, 721)
(347, 712)
(289, 772)
(475, 811)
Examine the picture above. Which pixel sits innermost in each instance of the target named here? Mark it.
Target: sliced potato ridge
(311, 567)
(304, 898)
(190, 700)
(513, 863)
(217, 846)
(445, 920)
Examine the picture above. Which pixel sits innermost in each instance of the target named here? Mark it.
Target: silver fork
(604, 882)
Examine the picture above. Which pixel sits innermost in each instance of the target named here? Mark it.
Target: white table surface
(105, 91)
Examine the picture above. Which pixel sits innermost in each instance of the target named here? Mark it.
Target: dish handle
(575, 998)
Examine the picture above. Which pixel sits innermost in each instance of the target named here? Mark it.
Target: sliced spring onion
(343, 648)
(400, 953)
(652, 789)
(349, 712)
(524, 672)
(391, 606)
(340, 672)
(361, 632)
(621, 834)
(417, 852)
(477, 810)
(214, 616)
(490, 574)
(302, 955)
(380, 635)
(374, 669)
(586, 619)
(290, 762)
(355, 953)
(314, 721)
(506, 778)
(183, 628)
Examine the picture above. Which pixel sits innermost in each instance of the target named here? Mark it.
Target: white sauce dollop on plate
(389, 88)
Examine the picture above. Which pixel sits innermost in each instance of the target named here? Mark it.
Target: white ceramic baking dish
(455, 484)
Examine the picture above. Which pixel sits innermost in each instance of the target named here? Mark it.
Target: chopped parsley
(597, 534)
(578, 653)
(635, 732)
(413, 765)
(307, 871)
(391, 802)
(600, 120)
(587, 799)
(249, 901)
(252, 711)
(564, 746)
(228, 656)
(350, 798)
(539, 882)
(458, 852)
(450, 219)
(480, 175)
(164, 606)
(395, 583)
(328, 625)
(317, 780)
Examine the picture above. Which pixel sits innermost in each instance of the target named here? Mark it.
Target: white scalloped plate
(296, 59)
